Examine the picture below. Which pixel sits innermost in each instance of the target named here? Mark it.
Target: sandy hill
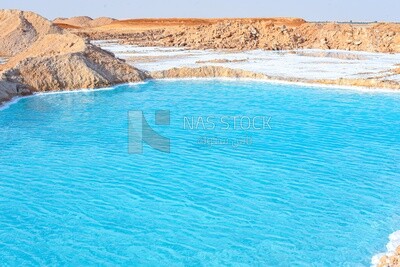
(19, 29)
(67, 62)
(52, 59)
(82, 22)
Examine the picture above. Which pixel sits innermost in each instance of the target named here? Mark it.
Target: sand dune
(45, 57)
(19, 29)
(82, 22)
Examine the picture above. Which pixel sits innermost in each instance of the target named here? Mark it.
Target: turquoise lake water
(317, 183)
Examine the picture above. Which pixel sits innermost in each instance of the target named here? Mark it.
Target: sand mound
(50, 45)
(19, 29)
(66, 26)
(56, 60)
(67, 62)
(102, 21)
(82, 22)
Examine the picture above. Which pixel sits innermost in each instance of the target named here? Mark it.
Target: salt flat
(298, 64)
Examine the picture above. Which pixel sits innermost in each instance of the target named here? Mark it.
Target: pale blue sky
(339, 10)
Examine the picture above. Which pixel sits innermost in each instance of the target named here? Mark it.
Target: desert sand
(82, 22)
(43, 57)
(19, 30)
(247, 34)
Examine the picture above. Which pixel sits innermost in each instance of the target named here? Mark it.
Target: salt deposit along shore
(334, 67)
(40, 56)
(390, 258)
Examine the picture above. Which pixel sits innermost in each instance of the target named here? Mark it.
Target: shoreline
(391, 256)
(330, 67)
(288, 82)
(266, 79)
(343, 88)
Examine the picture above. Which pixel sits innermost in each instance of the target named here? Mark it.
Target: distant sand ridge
(247, 34)
(82, 22)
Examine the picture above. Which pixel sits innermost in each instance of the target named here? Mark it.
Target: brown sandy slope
(57, 60)
(19, 29)
(66, 26)
(245, 34)
(67, 62)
